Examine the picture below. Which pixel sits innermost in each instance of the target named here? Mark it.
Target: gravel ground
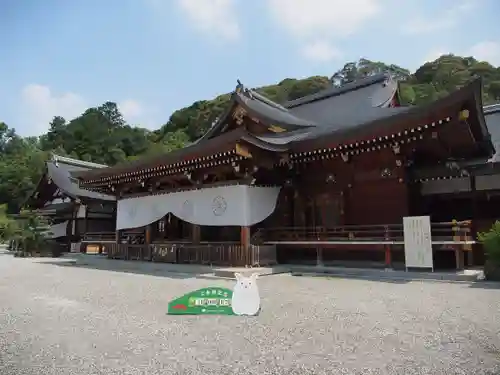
(72, 320)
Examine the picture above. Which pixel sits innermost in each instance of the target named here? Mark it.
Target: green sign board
(206, 301)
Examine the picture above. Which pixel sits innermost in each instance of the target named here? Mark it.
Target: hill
(101, 135)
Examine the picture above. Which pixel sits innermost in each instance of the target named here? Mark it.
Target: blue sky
(155, 56)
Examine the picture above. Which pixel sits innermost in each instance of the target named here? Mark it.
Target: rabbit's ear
(237, 275)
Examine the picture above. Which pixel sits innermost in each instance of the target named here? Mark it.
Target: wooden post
(387, 248)
(85, 220)
(147, 243)
(459, 259)
(319, 256)
(388, 258)
(147, 237)
(245, 244)
(195, 239)
(473, 226)
(85, 230)
(73, 226)
(459, 253)
(195, 234)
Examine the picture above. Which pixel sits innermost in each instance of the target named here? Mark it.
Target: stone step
(362, 273)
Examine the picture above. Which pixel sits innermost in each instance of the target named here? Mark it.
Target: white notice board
(418, 242)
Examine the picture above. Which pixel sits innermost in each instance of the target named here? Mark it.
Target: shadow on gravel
(135, 267)
(355, 277)
(485, 285)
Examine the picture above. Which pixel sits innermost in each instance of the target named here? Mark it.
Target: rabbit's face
(246, 283)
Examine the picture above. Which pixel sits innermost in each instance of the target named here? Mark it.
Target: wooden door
(327, 208)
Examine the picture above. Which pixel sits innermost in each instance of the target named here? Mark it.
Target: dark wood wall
(367, 189)
(381, 202)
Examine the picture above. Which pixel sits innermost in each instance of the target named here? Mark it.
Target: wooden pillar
(85, 220)
(245, 245)
(387, 249)
(319, 256)
(195, 239)
(195, 234)
(117, 246)
(474, 218)
(73, 227)
(147, 243)
(459, 259)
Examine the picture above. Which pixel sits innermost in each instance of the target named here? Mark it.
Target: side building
(320, 179)
(74, 213)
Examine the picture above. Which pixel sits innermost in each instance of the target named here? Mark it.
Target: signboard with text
(418, 242)
(206, 301)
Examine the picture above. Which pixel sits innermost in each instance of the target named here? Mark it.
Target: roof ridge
(336, 91)
(255, 95)
(76, 162)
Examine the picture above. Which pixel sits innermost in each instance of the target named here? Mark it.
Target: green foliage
(8, 227)
(491, 243)
(101, 135)
(30, 232)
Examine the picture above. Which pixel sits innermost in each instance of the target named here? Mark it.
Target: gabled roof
(492, 117)
(360, 97)
(337, 107)
(57, 178)
(363, 113)
(60, 174)
(389, 120)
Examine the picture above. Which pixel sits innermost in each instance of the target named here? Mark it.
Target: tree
(30, 235)
(355, 70)
(8, 227)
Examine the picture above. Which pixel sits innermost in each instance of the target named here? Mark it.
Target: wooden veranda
(384, 239)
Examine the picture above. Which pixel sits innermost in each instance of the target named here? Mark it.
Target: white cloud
(486, 51)
(40, 105)
(217, 17)
(322, 18)
(452, 17)
(130, 109)
(320, 51)
(315, 23)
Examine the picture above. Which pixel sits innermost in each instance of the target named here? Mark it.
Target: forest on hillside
(101, 135)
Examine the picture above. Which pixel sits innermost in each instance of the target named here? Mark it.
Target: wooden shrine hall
(73, 212)
(321, 179)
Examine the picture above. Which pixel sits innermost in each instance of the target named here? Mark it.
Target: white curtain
(57, 230)
(236, 205)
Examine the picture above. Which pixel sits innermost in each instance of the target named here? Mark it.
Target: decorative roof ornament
(239, 87)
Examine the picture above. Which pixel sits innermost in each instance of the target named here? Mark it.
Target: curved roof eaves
(60, 174)
(336, 91)
(271, 114)
(386, 118)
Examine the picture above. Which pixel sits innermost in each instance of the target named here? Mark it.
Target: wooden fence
(451, 233)
(219, 254)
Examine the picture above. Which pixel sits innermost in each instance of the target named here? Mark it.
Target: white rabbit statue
(246, 298)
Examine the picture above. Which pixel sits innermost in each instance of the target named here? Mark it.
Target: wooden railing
(220, 254)
(99, 237)
(441, 233)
